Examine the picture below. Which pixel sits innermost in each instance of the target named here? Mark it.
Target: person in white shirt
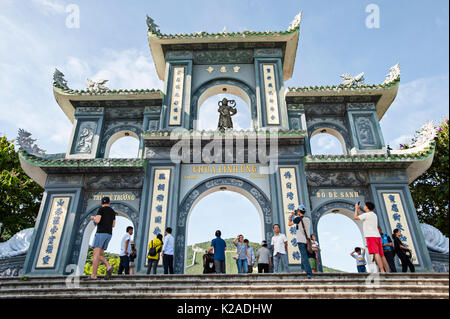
(279, 245)
(371, 233)
(125, 250)
(167, 251)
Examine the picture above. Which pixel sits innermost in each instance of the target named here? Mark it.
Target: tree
(20, 195)
(430, 190)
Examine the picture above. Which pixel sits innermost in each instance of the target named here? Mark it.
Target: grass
(230, 263)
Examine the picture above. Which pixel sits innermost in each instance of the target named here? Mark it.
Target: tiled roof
(206, 35)
(80, 163)
(236, 133)
(343, 89)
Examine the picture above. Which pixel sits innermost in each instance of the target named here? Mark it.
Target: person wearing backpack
(302, 226)
(154, 250)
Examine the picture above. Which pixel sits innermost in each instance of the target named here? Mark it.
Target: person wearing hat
(105, 220)
(219, 246)
(263, 258)
(302, 226)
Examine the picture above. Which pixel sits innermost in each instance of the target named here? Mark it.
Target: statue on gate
(227, 108)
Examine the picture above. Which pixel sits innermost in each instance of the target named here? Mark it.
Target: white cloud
(416, 103)
(50, 6)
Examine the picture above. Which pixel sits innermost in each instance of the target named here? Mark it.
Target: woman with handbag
(403, 252)
(154, 250)
(242, 255)
(302, 225)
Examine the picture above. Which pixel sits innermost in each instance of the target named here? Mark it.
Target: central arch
(235, 184)
(232, 86)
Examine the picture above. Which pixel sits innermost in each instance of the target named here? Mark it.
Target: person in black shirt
(105, 220)
(400, 250)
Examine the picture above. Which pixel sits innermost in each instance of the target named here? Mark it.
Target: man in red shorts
(371, 233)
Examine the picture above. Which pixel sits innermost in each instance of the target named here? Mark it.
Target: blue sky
(111, 43)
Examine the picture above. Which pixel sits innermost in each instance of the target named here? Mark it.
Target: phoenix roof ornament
(92, 86)
(349, 80)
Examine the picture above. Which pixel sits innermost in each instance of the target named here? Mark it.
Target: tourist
(302, 226)
(154, 250)
(219, 246)
(279, 244)
(314, 256)
(132, 258)
(263, 258)
(241, 254)
(105, 221)
(125, 250)
(370, 231)
(251, 256)
(401, 250)
(360, 255)
(388, 250)
(167, 251)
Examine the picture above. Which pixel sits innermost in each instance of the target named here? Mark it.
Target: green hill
(230, 263)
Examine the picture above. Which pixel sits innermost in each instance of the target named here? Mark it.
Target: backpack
(152, 251)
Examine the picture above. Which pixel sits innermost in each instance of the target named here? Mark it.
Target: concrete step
(161, 289)
(124, 281)
(231, 286)
(246, 295)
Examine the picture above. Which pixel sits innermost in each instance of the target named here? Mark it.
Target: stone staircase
(335, 286)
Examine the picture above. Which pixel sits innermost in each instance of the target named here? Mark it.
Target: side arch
(246, 188)
(342, 207)
(85, 228)
(334, 129)
(113, 134)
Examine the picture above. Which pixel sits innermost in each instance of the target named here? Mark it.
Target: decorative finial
(152, 26)
(58, 79)
(26, 142)
(352, 80)
(296, 22)
(394, 74)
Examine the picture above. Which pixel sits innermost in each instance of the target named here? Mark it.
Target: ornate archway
(86, 227)
(249, 190)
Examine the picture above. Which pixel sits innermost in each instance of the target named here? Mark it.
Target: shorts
(313, 263)
(101, 240)
(374, 245)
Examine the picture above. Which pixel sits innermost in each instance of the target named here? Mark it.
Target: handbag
(308, 240)
(236, 256)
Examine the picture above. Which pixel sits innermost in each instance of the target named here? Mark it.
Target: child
(360, 257)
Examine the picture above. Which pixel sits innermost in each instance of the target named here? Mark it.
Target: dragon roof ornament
(394, 74)
(152, 26)
(27, 143)
(423, 140)
(58, 79)
(296, 22)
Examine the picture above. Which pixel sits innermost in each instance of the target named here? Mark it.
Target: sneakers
(109, 273)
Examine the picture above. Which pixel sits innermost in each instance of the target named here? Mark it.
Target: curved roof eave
(291, 37)
(64, 97)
